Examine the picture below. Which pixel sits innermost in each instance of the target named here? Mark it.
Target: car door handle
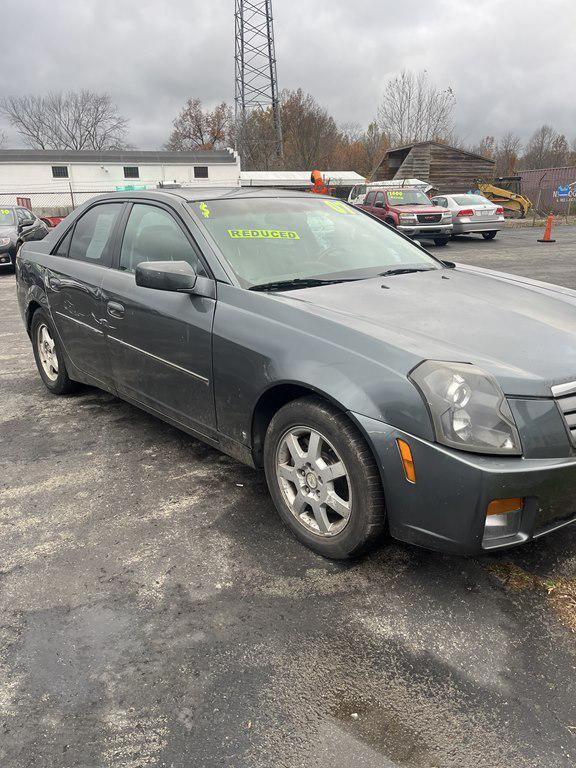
(115, 309)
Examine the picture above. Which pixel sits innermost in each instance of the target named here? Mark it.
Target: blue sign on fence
(563, 192)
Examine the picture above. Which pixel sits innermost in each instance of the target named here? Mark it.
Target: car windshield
(6, 217)
(471, 200)
(281, 239)
(407, 197)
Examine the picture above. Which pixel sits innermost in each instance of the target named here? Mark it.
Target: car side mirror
(434, 202)
(379, 204)
(21, 226)
(176, 276)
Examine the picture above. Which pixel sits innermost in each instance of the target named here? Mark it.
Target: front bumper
(445, 509)
(426, 230)
(7, 255)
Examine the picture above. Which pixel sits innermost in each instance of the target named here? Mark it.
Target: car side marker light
(407, 460)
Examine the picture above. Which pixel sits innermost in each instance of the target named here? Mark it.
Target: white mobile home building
(57, 181)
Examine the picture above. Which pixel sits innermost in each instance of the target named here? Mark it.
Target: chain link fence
(50, 203)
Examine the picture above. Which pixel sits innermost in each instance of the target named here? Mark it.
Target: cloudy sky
(510, 64)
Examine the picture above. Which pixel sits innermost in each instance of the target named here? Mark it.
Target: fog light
(503, 518)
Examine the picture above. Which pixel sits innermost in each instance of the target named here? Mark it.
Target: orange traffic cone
(547, 232)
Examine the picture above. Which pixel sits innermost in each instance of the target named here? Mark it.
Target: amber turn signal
(501, 506)
(407, 460)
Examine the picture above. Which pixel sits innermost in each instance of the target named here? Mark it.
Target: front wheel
(489, 235)
(441, 240)
(48, 355)
(323, 479)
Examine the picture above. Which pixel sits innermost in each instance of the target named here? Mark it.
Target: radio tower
(255, 60)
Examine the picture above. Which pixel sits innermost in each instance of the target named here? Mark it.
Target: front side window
(131, 172)
(92, 233)
(59, 171)
(277, 239)
(153, 235)
(370, 198)
(25, 217)
(379, 199)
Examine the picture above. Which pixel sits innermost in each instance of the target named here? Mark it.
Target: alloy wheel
(314, 481)
(47, 352)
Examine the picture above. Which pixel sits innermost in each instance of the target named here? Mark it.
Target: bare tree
(507, 154)
(196, 128)
(2, 138)
(72, 120)
(414, 109)
(485, 147)
(546, 148)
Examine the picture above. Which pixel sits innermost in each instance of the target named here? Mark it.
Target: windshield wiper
(299, 282)
(404, 271)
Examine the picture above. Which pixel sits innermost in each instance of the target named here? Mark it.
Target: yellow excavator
(505, 191)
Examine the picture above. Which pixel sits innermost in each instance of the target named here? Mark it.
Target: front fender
(260, 343)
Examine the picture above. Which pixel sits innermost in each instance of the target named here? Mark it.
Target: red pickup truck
(410, 211)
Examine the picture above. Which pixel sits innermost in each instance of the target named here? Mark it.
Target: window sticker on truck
(396, 193)
(263, 234)
(204, 210)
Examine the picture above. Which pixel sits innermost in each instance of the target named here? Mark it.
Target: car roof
(192, 194)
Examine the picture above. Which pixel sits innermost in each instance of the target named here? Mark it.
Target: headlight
(468, 408)
(407, 217)
(4, 241)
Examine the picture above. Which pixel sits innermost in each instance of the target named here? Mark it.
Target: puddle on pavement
(384, 731)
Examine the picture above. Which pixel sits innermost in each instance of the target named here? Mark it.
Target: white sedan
(472, 214)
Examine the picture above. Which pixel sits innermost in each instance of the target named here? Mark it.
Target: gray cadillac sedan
(378, 387)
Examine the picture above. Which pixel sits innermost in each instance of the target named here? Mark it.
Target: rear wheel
(323, 479)
(441, 240)
(489, 235)
(48, 355)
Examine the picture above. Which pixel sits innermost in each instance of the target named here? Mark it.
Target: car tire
(489, 235)
(323, 479)
(441, 240)
(48, 355)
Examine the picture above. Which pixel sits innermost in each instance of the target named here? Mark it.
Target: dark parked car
(17, 226)
(375, 384)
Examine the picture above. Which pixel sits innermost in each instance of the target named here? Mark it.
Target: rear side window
(64, 245)
(92, 233)
(153, 235)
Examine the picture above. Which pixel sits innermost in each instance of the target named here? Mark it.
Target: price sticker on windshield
(396, 193)
(339, 207)
(5, 211)
(263, 234)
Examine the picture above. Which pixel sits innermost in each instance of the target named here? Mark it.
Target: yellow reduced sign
(264, 234)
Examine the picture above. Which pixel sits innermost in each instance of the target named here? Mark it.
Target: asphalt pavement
(154, 611)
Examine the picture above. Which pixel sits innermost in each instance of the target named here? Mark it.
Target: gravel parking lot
(154, 610)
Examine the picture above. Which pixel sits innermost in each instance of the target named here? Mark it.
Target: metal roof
(124, 157)
(437, 144)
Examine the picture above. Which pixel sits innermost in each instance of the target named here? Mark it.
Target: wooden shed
(447, 169)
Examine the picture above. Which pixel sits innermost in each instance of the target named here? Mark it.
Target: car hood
(426, 209)
(7, 231)
(521, 331)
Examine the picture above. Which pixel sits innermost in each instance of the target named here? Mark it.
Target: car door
(160, 342)
(379, 205)
(74, 273)
(369, 202)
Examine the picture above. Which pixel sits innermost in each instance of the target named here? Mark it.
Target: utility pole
(255, 69)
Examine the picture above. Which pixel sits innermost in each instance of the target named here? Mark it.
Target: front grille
(429, 218)
(565, 396)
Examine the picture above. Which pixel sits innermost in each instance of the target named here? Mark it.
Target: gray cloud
(510, 64)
